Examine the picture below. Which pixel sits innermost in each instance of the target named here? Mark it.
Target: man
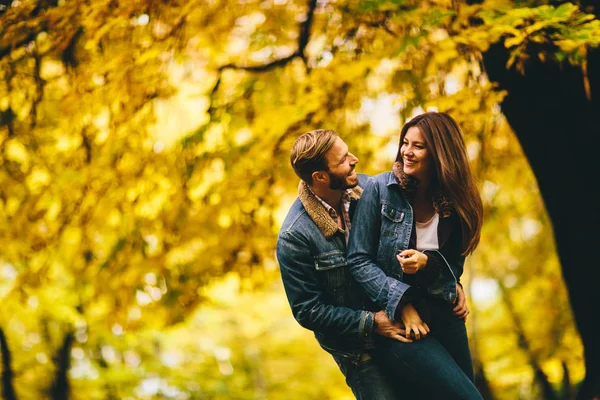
(311, 250)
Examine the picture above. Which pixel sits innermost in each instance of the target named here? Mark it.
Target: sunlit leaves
(546, 31)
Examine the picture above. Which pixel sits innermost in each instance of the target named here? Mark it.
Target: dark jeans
(439, 364)
(368, 381)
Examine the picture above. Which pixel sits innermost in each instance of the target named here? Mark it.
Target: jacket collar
(392, 177)
(441, 204)
(317, 212)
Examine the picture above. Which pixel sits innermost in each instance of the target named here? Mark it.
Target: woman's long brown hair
(444, 140)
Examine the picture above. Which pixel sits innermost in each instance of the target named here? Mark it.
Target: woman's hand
(461, 310)
(412, 261)
(413, 323)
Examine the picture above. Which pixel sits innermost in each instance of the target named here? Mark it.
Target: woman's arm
(383, 290)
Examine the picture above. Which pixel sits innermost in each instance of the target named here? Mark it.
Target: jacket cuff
(367, 325)
(412, 296)
(400, 294)
(431, 272)
(444, 284)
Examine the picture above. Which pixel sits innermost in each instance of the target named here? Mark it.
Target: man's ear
(320, 176)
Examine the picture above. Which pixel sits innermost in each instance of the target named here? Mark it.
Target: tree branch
(523, 343)
(303, 40)
(39, 87)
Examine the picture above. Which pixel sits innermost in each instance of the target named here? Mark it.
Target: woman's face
(415, 156)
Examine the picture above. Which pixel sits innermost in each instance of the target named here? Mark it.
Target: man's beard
(339, 182)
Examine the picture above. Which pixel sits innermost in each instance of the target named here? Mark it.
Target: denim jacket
(324, 298)
(384, 225)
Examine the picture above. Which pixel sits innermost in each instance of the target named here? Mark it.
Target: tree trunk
(8, 390)
(60, 386)
(558, 128)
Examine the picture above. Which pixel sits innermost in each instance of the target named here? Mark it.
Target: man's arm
(307, 299)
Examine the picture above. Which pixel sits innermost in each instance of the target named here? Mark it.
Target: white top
(427, 234)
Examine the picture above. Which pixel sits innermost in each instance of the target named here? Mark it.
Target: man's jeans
(439, 364)
(368, 381)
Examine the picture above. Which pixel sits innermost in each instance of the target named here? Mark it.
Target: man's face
(340, 164)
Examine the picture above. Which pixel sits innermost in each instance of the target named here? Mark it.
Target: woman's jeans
(439, 364)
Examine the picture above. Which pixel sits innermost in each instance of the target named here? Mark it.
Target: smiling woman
(417, 224)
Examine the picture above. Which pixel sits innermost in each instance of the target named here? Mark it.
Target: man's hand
(413, 322)
(412, 261)
(461, 310)
(387, 328)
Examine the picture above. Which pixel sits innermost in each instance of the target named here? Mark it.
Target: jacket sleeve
(308, 301)
(441, 274)
(386, 292)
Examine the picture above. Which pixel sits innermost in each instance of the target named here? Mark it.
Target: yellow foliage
(144, 154)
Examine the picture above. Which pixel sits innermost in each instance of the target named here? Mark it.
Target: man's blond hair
(308, 153)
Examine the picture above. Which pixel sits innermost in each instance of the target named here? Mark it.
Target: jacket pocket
(330, 259)
(333, 269)
(391, 219)
(391, 213)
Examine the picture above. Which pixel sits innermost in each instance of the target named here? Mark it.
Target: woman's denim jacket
(324, 298)
(383, 226)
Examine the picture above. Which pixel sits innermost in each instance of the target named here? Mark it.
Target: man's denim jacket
(384, 226)
(324, 298)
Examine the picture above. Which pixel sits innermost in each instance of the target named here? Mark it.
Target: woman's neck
(423, 194)
(423, 203)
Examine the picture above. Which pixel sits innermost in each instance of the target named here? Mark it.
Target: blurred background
(144, 175)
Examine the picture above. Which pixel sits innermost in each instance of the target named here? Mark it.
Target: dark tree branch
(382, 23)
(60, 387)
(523, 342)
(87, 145)
(8, 389)
(26, 39)
(303, 40)
(8, 117)
(42, 5)
(262, 67)
(305, 29)
(68, 54)
(567, 388)
(39, 87)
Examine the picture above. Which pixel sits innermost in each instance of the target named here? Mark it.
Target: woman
(414, 226)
